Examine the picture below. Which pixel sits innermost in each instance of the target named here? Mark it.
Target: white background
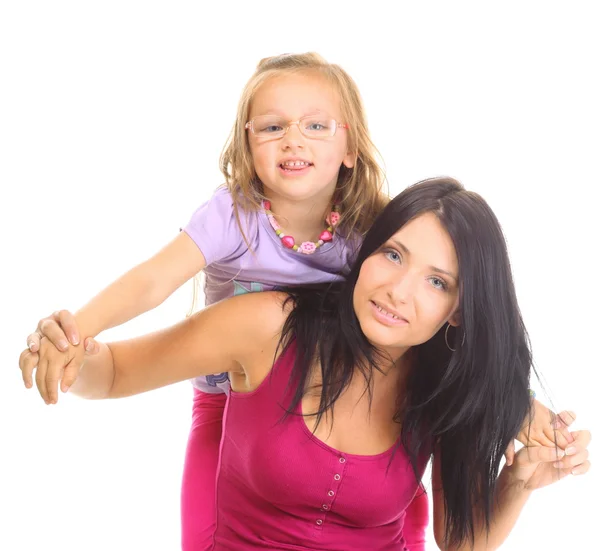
(112, 117)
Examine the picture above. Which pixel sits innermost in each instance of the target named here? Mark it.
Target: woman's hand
(54, 359)
(536, 467)
(52, 366)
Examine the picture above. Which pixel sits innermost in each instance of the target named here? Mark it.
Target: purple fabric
(233, 269)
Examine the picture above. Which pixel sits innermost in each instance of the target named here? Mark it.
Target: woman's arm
(532, 469)
(236, 335)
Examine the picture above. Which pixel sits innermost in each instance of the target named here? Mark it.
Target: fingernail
(63, 345)
(560, 453)
(66, 389)
(89, 346)
(75, 341)
(27, 385)
(571, 450)
(557, 424)
(30, 346)
(576, 471)
(558, 464)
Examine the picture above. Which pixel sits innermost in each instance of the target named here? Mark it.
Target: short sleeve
(214, 229)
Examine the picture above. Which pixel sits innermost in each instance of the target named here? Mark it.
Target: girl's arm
(238, 335)
(139, 290)
(142, 288)
(533, 468)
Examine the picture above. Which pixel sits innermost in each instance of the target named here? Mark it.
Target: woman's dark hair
(467, 404)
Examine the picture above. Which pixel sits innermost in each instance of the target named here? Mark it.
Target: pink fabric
(198, 489)
(280, 488)
(200, 472)
(416, 521)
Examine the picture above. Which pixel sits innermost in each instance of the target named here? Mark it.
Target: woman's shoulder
(258, 316)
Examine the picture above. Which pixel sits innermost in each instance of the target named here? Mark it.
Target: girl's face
(293, 97)
(408, 289)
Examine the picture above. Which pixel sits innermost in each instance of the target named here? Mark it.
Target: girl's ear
(349, 160)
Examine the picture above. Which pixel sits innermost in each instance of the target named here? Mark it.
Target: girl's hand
(536, 467)
(60, 328)
(546, 429)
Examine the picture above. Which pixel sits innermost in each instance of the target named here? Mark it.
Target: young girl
(302, 187)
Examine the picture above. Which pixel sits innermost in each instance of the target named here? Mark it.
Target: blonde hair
(359, 189)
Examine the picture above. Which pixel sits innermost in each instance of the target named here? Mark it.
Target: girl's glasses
(275, 127)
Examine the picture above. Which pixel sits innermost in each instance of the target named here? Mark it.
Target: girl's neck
(303, 220)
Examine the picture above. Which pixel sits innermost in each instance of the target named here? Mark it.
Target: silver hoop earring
(446, 339)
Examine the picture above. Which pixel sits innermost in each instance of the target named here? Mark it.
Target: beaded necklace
(308, 247)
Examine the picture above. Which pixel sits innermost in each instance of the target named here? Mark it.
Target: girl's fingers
(33, 342)
(67, 322)
(54, 333)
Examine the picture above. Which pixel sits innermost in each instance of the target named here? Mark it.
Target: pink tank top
(281, 488)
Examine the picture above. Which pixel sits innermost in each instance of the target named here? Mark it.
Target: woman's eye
(438, 283)
(393, 256)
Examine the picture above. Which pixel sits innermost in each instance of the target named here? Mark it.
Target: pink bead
(308, 247)
(273, 222)
(325, 236)
(333, 218)
(267, 205)
(288, 241)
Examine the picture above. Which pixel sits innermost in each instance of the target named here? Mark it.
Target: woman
(341, 395)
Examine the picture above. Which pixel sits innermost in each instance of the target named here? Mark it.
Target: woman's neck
(396, 358)
(303, 220)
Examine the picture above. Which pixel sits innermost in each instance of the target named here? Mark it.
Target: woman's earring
(446, 339)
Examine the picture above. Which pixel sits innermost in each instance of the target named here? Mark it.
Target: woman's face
(408, 289)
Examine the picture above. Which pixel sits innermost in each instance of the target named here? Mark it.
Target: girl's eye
(438, 283)
(272, 128)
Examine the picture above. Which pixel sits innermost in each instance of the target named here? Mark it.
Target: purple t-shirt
(233, 269)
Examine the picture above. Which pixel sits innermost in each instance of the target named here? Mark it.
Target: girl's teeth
(295, 163)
